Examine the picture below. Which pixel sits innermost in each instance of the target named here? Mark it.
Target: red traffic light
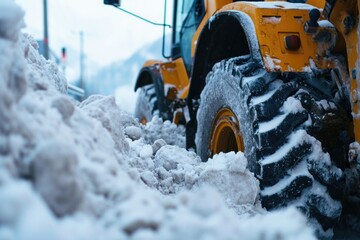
(63, 53)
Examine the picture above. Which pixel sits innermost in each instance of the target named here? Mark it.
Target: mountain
(122, 73)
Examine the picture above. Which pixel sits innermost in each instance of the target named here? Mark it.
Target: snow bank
(89, 171)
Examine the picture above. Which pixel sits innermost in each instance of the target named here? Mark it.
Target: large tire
(146, 104)
(282, 121)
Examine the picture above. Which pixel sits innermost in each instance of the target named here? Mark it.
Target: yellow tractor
(278, 80)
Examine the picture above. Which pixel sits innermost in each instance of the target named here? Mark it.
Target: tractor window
(187, 32)
(188, 17)
(182, 9)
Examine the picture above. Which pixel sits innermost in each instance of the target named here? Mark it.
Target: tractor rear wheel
(146, 104)
(279, 122)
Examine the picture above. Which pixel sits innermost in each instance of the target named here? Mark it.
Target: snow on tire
(281, 122)
(146, 104)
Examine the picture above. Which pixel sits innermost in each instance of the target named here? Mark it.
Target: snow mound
(86, 171)
(173, 169)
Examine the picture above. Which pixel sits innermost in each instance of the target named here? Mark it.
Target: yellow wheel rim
(225, 133)
(143, 121)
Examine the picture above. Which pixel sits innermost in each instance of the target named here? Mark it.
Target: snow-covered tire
(146, 104)
(281, 122)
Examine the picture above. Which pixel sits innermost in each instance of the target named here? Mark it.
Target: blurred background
(99, 48)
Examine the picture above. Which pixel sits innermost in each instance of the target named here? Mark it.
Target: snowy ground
(88, 170)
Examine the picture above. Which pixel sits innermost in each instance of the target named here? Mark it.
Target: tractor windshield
(182, 9)
(187, 16)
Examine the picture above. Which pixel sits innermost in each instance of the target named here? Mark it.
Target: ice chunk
(173, 155)
(292, 105)
(133, 132)
(157, 145)
(146, 151)
(228, 174)
(169, 132)
(148, 178)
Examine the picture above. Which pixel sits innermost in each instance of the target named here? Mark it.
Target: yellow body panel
(175, 76)
(316, 3)
(213, 6)
(273, 21)
(150, 63)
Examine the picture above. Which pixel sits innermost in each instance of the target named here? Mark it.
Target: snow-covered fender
(287, 40)
(227, 34)
(148, 74)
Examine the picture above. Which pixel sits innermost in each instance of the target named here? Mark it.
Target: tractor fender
(148, 75)
(227, 34)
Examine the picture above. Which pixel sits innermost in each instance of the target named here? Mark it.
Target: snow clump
(166, 130)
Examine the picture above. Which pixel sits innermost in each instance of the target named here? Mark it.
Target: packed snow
(88, 170)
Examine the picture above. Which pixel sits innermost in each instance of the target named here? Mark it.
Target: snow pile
(172, 170)
(91, 172)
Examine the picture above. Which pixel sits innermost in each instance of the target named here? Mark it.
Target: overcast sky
(110, 34)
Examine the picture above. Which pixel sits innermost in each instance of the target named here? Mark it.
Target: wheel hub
(225, 134)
